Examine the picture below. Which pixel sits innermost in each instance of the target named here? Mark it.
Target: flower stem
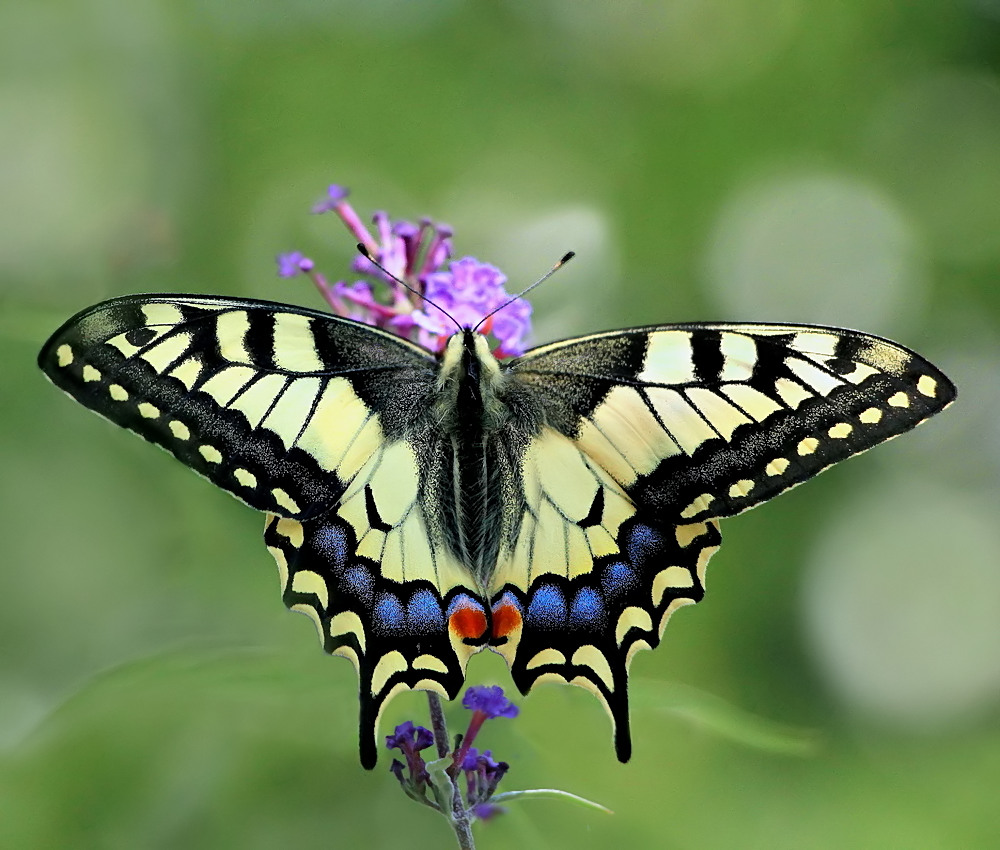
(459, 819)
(438, 724)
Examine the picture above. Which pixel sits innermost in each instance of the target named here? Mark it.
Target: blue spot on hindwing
(547, 609)
(618, 579)
(463, 600)
(330, 543)
(587, 608)
(358, 582)
(643, 544)
(388, 615)
(424, 613)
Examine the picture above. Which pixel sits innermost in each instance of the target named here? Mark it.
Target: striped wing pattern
(274, 404)
(298, 414)
(678, 426)
(648, 437)
(708, 420)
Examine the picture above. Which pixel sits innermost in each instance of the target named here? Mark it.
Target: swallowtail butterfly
(555, 508)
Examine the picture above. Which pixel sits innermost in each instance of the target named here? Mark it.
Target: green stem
(459, 819)
(438, 725)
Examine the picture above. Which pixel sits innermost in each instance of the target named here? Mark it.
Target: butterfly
(555, 508)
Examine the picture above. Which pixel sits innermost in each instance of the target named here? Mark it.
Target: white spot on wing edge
(64, 355)
(149, 411)
(291, 530)
(741, 488)
(308, 582)
(687, 534)
(389, 664)
(349, 623)
(700, 504)
(545, 656)
(840, 431)
(429, 662)
(245, 477)
(777, 466)
(632, 617)
(671, 577)
(927, 386)
(90, 374)
(590, 656)
(210, 453)
(900, 399)
(807, 446)
(282, 499)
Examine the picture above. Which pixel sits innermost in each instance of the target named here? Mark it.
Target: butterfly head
(470, 374)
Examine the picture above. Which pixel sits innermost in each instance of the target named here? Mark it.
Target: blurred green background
(707, 159)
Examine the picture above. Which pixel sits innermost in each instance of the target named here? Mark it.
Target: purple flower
(486, 811)
(482, 775)
(415, 259)
(413, 776)
(490, 700)
(293, 263)
(407, 737)
(334, 197)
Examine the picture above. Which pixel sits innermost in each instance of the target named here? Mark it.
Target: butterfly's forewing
(301, 415)
(709, 420)
(678, 426)
(279, 406)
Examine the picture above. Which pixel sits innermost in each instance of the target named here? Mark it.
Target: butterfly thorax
(483, 421)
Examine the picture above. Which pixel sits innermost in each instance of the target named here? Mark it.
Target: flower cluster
(423, 296)
(481, 772)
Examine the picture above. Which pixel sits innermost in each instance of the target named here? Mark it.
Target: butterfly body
(555, 508)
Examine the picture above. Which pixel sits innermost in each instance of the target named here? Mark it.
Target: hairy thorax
(483, 420)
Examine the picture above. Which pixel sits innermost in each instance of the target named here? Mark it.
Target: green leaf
(548, 793)
(723, 718)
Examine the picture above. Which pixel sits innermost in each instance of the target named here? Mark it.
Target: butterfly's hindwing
(679, 425)
(591, 578)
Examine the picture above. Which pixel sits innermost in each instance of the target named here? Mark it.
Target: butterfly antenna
(367, 255)
(563, 260)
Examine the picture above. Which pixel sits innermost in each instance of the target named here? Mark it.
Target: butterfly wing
(279, 406)
(709, 420)
(592, 579)
(302, 415)
(653, 434)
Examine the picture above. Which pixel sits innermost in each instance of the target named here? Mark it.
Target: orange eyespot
(506, 619)
(468, 622)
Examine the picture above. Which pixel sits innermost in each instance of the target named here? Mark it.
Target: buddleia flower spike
(461, 783)
(426, 293)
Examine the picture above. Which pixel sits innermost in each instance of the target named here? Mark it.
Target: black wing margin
(708, 420)
(278, 405)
